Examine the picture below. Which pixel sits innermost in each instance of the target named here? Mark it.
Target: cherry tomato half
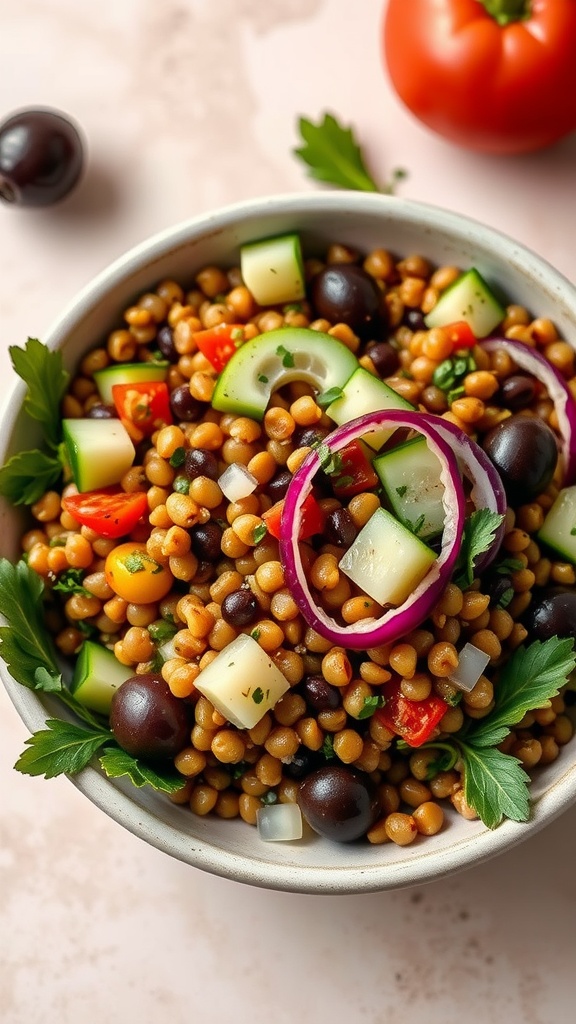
(110, 512)
(135, 576)
(142, 407)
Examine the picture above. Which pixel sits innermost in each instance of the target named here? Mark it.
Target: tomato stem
(506, 11)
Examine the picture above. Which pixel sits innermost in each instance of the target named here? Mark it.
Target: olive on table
(147, 720)
(338, 803)
(41, 157)
(345, 293)
(553, 614)
(524, 451)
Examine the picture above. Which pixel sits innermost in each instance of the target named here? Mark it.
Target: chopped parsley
(286, 356)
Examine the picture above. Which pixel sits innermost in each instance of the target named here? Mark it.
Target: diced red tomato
(220, 343)
(355, 471)
(460, 334)
(143, 407)
(110, 512)
(313, 518)
(413, 720)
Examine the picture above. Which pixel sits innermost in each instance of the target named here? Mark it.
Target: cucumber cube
(558, 530)
(364, 393)
(410, 475)
(471, 299)
(386, 560)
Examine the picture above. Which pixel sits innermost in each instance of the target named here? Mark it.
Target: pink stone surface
(187, 105)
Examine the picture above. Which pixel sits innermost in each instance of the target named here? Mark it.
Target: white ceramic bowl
(231, 848)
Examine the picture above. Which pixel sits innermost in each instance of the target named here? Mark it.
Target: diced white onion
(167, 650)
(279, 822)
(471, 664)
(236, 482)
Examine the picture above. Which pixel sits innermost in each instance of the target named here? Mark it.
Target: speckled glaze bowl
(232, 848)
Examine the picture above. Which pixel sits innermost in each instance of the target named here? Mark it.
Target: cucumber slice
(127, 373)
(471, 299)
(273, 270)
(558, 530)
(364, 393)
(99, 452)
(386, 560)
(410, 475)
(270, 360)
(97, 676)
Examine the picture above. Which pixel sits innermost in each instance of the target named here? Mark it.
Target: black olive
(339, 528)
(279, 484)
(524, 451)
(101, 412)
(345, 293)
(517, 392)
(320, 695)
(41, 157)
(206, 541)
(147, 720)
(303, 762)
(552, 614)
(338, 802)
(184, 407)
(384, 357)
(201, 462)
(240, 608)
(165, 342)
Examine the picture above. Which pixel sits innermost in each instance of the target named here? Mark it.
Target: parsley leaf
(70, 582)
(370, 705)
(325, 398)
(495, 785)
(28, 475)
(24, 642)
(531, 677)
(60, 748)
(479, 533)
(333, 155)
(43, 371)
(117, 762)
(286, 356)
(260, 532)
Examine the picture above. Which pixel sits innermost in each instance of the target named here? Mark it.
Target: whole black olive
(552, 614)
(41, 157)
(517, 391)
(240, 607)
(320, 695)
(345, 293)
(338, 803)
(384, 357)
(147, 720)
(524, 451)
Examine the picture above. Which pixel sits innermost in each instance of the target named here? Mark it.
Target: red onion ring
(487, 488)
(397, 621)
(536, 364)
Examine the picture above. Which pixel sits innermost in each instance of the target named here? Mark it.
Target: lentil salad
(225, 575)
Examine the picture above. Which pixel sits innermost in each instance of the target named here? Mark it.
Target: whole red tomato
(491, 75)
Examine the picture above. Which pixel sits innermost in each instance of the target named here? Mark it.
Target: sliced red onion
(487, 487)
(395, 622)
(536, 364)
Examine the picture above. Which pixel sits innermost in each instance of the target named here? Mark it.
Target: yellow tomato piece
(135, 576)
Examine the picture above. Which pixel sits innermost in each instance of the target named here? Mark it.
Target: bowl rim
(114, 801)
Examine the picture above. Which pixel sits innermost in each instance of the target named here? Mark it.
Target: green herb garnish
(177, 458)
(371, 704)
(70, 582)
(479, 533)
(259, 532)
(116, 762)
(262, 378)
(286, 356)
(495, 784)
(258, 695)
(334, 157)
(401, 491)
(28, 475)
(325, 398)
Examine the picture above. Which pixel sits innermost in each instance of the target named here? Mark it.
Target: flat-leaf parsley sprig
(334, 157)
(495, 784)
(62, 747)
(28, 475)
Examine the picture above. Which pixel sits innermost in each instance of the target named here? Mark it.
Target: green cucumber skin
(260, 366)
(97, 676)
(95, 466)
(469, 298)
(127, 373)
(398, 469)
(556, 531)
(364, 393)
(273, 269)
